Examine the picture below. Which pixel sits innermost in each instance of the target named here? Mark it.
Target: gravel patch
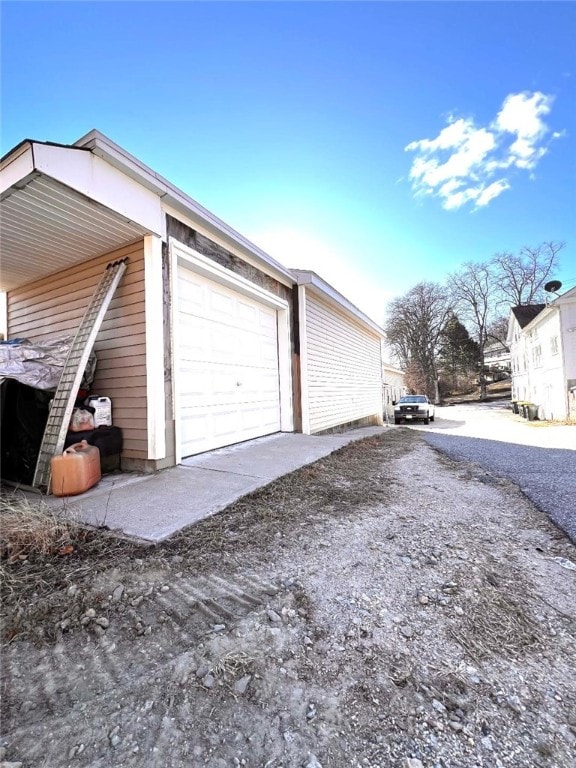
(546, 475)
(539, 458)
(383, 608)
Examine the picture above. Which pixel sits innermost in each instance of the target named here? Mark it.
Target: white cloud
(465, 163)
(492, 191)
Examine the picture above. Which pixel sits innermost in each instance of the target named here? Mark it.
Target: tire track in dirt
(188, 611)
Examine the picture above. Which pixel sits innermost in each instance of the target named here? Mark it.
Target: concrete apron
(153, 507)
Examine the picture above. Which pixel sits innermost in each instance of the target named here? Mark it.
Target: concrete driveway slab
(268, 458)
(162, 504)
(153, 507)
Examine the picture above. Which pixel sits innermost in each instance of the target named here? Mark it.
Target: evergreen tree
(458, 354)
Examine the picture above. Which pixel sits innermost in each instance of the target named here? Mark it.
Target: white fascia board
(16, 168)
(154, 307)
(512, 322)
(315, 283)
(98, 180)
(182, 204)
(566, 298)
(213, 271)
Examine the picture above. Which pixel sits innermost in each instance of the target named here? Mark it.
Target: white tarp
(39, 364)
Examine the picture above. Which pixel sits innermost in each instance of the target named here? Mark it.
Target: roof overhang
(63, 205)
(180, 205)
(320, 287)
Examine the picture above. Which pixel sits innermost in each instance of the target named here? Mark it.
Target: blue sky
(378, 143)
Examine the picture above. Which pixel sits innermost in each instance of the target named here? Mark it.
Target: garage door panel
(257, 384)
(194, 429)
(267, 320)
(204, 432)
(192, 297)
(209, 384)
(269, 353)
(224, 424)
(259, 420)
(220, 305)
(227, 366)
(247, 315)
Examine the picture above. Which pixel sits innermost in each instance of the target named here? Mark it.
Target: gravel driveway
(539, 457)
(385, 607)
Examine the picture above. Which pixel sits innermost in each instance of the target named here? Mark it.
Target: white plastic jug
(102, 410)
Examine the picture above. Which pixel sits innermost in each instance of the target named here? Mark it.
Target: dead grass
(537, 424)
(496, 624)
(30, 528)
(43, 555)
(233, 664)
(345, 482)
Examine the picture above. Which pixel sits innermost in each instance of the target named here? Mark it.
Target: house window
(554, 345)
(537, 356)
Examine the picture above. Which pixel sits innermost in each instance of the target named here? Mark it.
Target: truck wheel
(427, 420)
(432, 418)
(396, 421)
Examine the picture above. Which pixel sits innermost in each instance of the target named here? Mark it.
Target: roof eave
(315, 282)
(105, 148)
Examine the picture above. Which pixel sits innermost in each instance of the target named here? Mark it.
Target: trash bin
(532, 411)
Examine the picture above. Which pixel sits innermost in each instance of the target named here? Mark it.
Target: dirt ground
(381, 608)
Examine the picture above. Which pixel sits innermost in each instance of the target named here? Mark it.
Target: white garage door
(228, 365)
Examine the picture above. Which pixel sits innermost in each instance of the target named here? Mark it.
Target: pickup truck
(413, 408)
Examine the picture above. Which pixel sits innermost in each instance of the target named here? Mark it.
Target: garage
(340, 358)
(227, 365)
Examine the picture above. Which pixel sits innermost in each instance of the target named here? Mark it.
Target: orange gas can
(76, 470)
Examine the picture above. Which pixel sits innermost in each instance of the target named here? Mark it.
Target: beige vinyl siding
(344, 379)
(54, 307)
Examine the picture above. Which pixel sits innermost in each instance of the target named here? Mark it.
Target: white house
(393, 385)
(208, 341)
(542, 340)
(497, 356)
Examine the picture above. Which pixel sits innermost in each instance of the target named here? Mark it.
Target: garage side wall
(344, 379)
(54, 306)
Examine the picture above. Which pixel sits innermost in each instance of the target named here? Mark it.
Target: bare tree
(522, 276)
(498, 329)
(413, 328)
(415, 378)
(475, 291)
